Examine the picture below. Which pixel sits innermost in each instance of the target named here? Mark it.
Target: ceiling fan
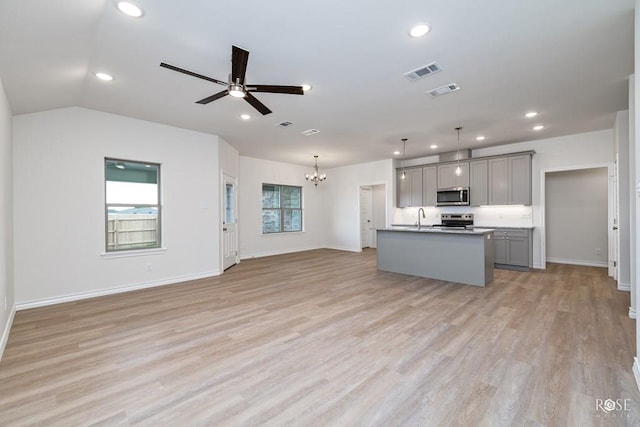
(236, 86)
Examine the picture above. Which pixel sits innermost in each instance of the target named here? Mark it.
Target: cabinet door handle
(615, 228)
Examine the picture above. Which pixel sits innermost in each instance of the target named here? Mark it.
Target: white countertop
(440, 230)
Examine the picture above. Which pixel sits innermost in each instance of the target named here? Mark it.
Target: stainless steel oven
(454, 196)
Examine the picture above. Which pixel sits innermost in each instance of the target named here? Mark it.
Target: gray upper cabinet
(498, 178)
(447, 177)
(479, 182)
(510, 180)
(520, 182)
(429, 185)
(492, 180)
(410, 189)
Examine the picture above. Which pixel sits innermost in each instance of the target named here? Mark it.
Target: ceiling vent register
(284, 124)
(310, 132)
(421, 72)
(443, 90)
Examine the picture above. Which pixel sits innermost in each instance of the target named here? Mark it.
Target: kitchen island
(455, 255)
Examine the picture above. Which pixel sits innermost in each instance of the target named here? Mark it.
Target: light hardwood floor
(323, 338)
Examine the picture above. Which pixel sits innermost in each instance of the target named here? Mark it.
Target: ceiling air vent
(284, 124)
(443, 90)
(309, 132)
(421, 72)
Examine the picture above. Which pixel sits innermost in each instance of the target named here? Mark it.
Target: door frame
(225, 177)
(610, 208)
(387, 215)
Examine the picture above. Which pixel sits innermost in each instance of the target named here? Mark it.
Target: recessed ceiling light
(245, 116)
(480, 138)
(395, 153)
(306, 88)
(129, 9)
(531, 114)
(419, 30)
(538, 127)
(433, 146)
(104, 76)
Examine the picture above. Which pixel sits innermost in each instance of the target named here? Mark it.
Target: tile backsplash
(488, 216)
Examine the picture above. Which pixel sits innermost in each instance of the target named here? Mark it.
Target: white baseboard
(632, 312)
(278, 252)
(7, 329)
(117, 290)
(344, 248)
(578, 262)
(624, 287)
(636, 371)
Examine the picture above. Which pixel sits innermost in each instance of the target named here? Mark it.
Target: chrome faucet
(420, 210)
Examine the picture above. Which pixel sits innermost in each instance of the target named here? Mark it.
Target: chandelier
(316, 177)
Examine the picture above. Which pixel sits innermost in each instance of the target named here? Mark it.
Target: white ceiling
(567, 59)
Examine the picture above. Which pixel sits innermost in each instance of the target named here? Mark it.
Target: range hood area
(452, 156)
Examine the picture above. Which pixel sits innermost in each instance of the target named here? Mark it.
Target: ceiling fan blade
(212, 98)
(191, 73)
(257, 104)
(239, 59)
(292, 90)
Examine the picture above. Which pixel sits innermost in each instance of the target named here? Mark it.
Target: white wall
(59, 204)
(576, 217)
(621, 139)
(341, 206)
(379, 214)
(7, 299)
(254, 173)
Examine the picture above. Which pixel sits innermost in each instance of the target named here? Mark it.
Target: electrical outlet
(597, 251)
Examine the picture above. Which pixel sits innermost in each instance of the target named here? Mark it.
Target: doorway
(577, 213)
(229, 222)
(373, 216)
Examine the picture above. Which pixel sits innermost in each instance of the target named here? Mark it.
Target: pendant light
(458, 169)
(403, 175)
(316, 177)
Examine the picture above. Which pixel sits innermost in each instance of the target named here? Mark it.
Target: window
(281, 208)
(132, 205)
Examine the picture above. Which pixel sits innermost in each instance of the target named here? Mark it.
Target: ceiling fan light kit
(236, 87)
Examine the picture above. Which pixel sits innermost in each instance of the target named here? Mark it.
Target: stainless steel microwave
(455, 196)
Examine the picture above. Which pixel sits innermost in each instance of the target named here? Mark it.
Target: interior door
(366, 225)
(614, 237)
(229, 223)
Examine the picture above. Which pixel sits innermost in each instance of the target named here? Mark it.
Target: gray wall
(576, 216)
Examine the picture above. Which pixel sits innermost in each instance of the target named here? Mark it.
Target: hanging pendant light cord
(404, 158)
(458, 169)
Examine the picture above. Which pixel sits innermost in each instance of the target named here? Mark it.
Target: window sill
(286, 233)
(132, 253)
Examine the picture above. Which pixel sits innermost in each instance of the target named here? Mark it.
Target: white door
(366, 225)
(229, 223)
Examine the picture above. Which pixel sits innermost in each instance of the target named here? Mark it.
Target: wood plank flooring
(323, 338)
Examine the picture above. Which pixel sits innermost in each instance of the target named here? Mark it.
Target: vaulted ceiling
(568, 60)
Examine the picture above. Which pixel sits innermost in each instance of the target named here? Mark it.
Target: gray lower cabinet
(512, 248)
(478, 182)
(429, 185)
(410, 189)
